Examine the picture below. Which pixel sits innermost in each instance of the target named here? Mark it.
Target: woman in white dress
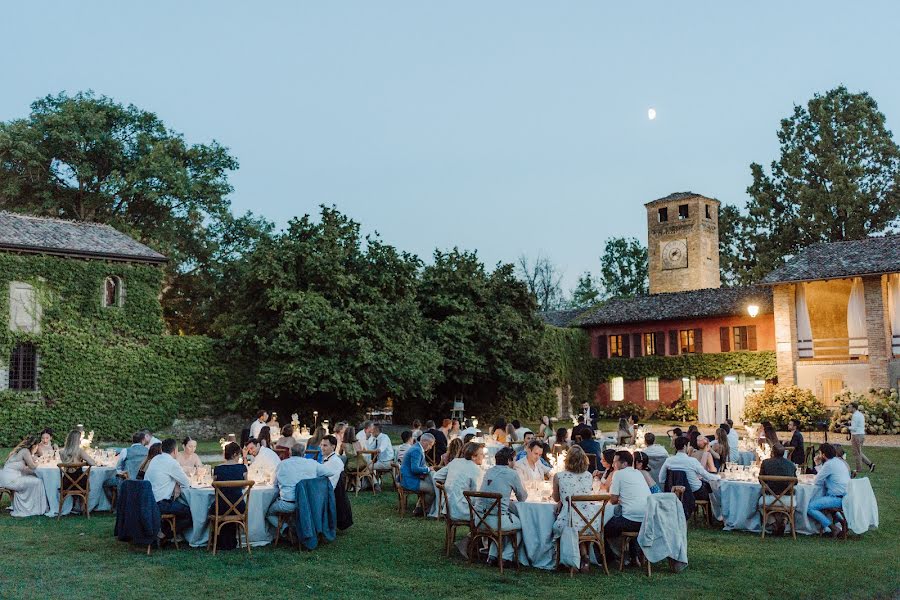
(18, 475)
(574, 481)
(188, 458)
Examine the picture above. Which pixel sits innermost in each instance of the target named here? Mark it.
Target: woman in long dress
(18, 475)
(576, 480)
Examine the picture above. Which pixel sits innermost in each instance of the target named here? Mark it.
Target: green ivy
(112, 369)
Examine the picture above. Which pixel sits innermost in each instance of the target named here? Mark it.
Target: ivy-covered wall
(112, 369)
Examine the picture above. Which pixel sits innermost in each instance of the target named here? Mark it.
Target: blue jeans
(814, 510)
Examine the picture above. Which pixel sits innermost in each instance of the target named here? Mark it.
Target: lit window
(617, 389)
(651, 389)
(615, 346)
(23, 367)
(731, 379)
(740, 339)
(687, 341)
(649, 344)
(687, 387)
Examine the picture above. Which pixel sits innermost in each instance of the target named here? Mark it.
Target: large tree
(838, 178)
(90, 158)
(586, 293)
(623, 268)
(543, 279)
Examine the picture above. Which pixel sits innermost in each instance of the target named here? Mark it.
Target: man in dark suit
(798, 457)
(590, 415)
(780, 466)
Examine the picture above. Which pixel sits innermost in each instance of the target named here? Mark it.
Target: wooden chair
(283, 517)
(112, 492)
(379, 474)
(592, 530)
(282, 452)
(707, 511)
(480, 527)
(166, 519)
(837, 516)
(75, 481)
(777, 505)
(403, 495)
(788, 451)
(226, 512)
(8, 492)
(315, 454)
(678, 490)
(432, 458)
(630, 537)
(361, 473)
(450, 524)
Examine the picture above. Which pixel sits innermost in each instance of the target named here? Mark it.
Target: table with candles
(48, 472)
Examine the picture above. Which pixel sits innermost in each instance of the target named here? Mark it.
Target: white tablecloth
(860, 506)
(735, 504)
(200, 501)
(97, 499)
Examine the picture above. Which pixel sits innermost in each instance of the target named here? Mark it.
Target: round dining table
(200, 501)
(735, 503)
(97, 499)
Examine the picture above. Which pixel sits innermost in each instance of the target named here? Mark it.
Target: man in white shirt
(521, 430)
(629, 490)
(288, 473)
(381, 442)
(263, 459)
(331, 462)
(734, 442)
(167, 479)
(832, 480)
(697, 476)
(530, 467)
(656, 455)
(257, 425)
(858, 438)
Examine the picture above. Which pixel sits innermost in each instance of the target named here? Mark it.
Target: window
(744, 338)
(113, 292)
(617, 389)
(708, 213)
(683, 211)
(663, 215)
(687, 341)
(616, 346)
(23, 367)
(649, 344)
(651, 389)
(687, 387)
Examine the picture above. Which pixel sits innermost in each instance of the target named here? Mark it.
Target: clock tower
(683, 243)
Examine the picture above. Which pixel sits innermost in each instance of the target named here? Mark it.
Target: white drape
(736, 395)
(894, 310)
(717, 402)
(722, 394)
(706, 403)
(804, 329)
(856, 320)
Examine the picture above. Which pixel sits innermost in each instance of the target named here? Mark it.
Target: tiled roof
(678, 196)
(837, 260)
(25, 233)
(711, 302)
(560, 318)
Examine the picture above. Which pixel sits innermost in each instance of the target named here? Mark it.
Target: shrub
(881, 408)
(781, 403)
(681, 410)
(621, 410)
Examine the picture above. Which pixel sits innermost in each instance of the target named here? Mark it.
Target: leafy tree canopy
(623, 268)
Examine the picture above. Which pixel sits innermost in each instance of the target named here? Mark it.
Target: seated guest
(352, 446)
(263, 458)
(780, 466)
(734, 441)
(521, 430)
(769, 436)
(842, 456)
(362, 435)
(629, 490)
(338, 433)
(287, 437)
(230, 470)
(652, 448)
(623, 433)
(697, 476)
(416, 429)
(256, 426)
(692, 429)
(46, 447)
(153, 438)
(545, 430)
(575, 480)
(440, 439)
(381, 442)
(560, 439)
(30, 498)
(265, 437)
(460, 475)
(455, 429)
(589, 444)
(720, 450)
(331, 461)
(72, 452)
(607, 462)
(498, 431)
(446, 424)
(530, 467)
(167, 480)
(405, 438)
(675, 433)
(288, 473)
(832, 479)
(642, 466)
(131, 458)
(152, 452)
(529, 437)
(314, 443)
(188, 458)
(511, 434)
(502, 479)
(699, 449)
(415, 474)
(453, 450)
(798, 456)
(579, 430)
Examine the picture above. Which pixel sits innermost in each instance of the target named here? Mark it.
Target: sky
(506, 127)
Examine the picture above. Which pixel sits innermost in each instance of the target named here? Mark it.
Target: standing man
(858, 438)
(257, 425)
(590, 415)
(798, 456)
(167, 479)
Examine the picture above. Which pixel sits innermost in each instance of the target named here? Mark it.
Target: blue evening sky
(506, 127)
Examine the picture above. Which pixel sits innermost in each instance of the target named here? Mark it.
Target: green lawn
(382, 556)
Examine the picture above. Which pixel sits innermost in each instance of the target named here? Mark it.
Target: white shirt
(265, 459)
(858, 423)
(833, 477)
(335, 466)
(529, 473)
(632, 489)
(401, 450)
(655, 450)
(691, 466)
(521, 431)
(293, 470)
(255, 427)
(154, 440)
(734, 445)
(163, 473)
(382, 443)
(362, 438)
(459, 475)
(473, 430)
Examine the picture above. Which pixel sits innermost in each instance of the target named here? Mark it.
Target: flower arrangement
(781, 403)
(881, 408)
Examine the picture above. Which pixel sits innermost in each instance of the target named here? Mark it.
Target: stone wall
(207, 428)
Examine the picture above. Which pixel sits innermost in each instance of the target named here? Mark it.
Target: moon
(651, 114)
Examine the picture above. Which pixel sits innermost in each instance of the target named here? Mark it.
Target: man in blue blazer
(415, 474)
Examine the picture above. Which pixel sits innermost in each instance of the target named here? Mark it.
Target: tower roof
(680, 196)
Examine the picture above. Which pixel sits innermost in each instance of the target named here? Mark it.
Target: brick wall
(877, 329)
(785, 322)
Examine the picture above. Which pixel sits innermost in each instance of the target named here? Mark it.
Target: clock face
(674, 254)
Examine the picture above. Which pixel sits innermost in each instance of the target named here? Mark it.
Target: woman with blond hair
(453, 451)
(18, 475)
(72, 452)
(576, 480)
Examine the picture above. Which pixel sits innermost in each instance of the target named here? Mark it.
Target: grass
(383, 556)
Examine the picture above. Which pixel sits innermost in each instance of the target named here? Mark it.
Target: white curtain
(856, 320)
(706, 403)
(804, 329)
(736, 395)
(722, 393)
(894, 310)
